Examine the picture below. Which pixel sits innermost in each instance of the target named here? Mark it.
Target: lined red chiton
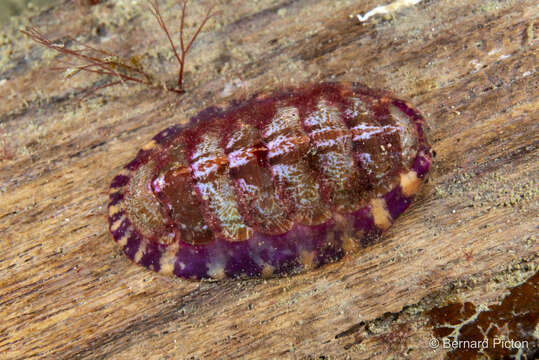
(281, 183)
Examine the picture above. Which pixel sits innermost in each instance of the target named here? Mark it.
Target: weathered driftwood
(66, 291)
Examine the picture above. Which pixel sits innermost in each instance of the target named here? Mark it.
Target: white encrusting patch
(379, 212)
(410, 183)
(387, 9)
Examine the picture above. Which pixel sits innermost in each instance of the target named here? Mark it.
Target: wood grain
(66, 291)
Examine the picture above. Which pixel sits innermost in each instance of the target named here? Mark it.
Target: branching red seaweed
(154, 7)
(102, 62)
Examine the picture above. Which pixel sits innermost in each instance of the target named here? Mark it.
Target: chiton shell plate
(281, 183)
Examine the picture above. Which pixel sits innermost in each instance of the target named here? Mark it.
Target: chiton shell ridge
(278, 184)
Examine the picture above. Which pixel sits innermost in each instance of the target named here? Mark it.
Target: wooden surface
(66, 291)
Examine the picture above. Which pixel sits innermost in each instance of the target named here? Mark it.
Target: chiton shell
(275, 185)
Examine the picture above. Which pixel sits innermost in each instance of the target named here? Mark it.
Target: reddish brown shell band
(301, 248)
